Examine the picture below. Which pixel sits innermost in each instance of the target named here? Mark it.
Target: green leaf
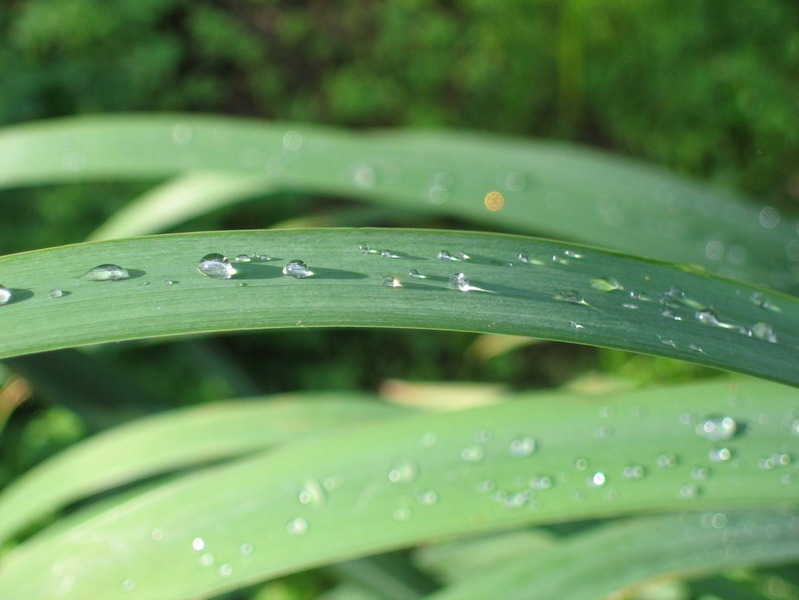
(555, 299)
(537, 459)
(174, 440)
(550, 188)
(622, 554)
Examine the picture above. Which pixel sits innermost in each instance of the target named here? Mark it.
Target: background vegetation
(707, 89)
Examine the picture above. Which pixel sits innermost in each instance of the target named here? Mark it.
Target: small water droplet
(717, 428)
(781, 458)
(690, 490)
(401, 514)
(764, 331)
(700, 473)
(170, 281)
(298, 526)
(763, 302)
(216, 266)
(198, 543)
(634, 472)
(413, 273)
(718, 455)
(364, 176)
(696, 348)
(5, 295)
(560, 260)
(472, 453)
(206, 559)
(707, 317)
(639, 295)
(106, 272)
(485, 485)
(597, 479)
(297, 269)
(128, 585)
(459, 282)
(157, 534)
(445, 255)
(245, 549)
(404, 472)
(581, 464)
(767, 463)
(292, 141)
(225, 569)
(243, 258)
(515, 181)
(483, 435)
(576, 325)
(670, 314)
(667, 461)
(391, 281)
(572, 296)
(769, 217)
(426, 497)
(54, 293)
(261, 257)
(312, 493)
(541, 482)
(365, 249)
(388, 254)
(606, 284)
(521, 447)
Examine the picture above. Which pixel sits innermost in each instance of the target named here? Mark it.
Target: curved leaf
(551, 188)
(575, 294)
(416, 478)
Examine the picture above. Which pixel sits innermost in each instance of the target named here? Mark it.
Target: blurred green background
(705, 88)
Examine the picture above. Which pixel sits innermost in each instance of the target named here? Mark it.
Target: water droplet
(597, 479)
(297, 269)
(216, 266)
(667, 342)
(572, 296)
(577, 325)
(298, 526)
(603, 432)
(714, 250)
(707, 317)
(765, 303)
(459, 282)
(445, 255)
(670, 314)
(54, 293)
(426, 497)
(243, 258)
(764, 331)
(581, 464)
(365, 249)
(404, 472)
(782, 459)
(767, 463)
(485, 485)
(541, 482)
(245, 549)
(515, 181)
(639, 295)
(391, 281)
(261, 257)
(630, 306)
(206, 559)
(198, 544)
(127, 585)
(521, 447)
(312, 493)
(573, 254)
(483, 435)
(634, 472)
(560, 260)
(170, 281)
(606, 284)
(718, 455)
(106, 272)
(415, 274)
(689, 491)
(717, 429)
(225, 569)
(364, 176)
(769, 217)
(292, 141)
(701, 473)
(472, 453)
(401, 514)
(667, 461)
(157, 534)
(388, 254)
(5, 295)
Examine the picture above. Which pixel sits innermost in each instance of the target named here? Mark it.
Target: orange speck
(494, 201)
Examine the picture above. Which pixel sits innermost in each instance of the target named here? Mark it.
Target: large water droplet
(459, 282)
(404, 472)
(717, 428)
(606, 284)
(106, 272)
(764, 331)
(298, 526)
(216, 266)
(5, 295)
(572, 296)
(198, 543)
(297, 269)
(312, 493)
(54, 293)
(523, 446)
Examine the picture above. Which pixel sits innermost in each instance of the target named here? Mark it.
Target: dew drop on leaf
(404, 472)
(571, 296)
(216, 266)
(54, 293)
(521, 447)
(391, 281)
(297, 269)
(764, 331)
(634, 472)
(718, 455)
(298, 526)
(5, 295)
(106, 272)
(717, 429)
(606, 284)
